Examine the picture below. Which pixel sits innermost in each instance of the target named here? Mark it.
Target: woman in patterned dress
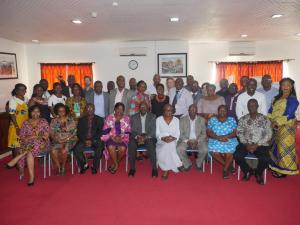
(115, 134)
(284, 123)
(34, 139)
(222, 140)
(63, 135)
(139, 97)
(76, 103)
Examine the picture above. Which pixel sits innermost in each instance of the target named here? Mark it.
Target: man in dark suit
(89, 131)
(143, 133)
(67, 90)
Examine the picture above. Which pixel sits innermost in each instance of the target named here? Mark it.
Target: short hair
(61, 105)
(32, 108)
(88, 77)
(252, 79)
(36, 86)
(170, 78)
(119, 104)
(222, 106)
(98, 82)
(56, 84)
(76, 85)
(141, 82)
(160, 85)
(212, 86)
(204, 84)
(252, 100)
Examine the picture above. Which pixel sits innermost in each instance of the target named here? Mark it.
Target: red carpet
(191, 198)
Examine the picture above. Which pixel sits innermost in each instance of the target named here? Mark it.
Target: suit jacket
(125, 100)
(97, 125)
(150, 125)
(197, 97)
(185, 128)
(89, 97)
(66, 91)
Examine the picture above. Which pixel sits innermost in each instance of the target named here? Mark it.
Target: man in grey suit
(99, 98)
(119, 94)
(192, 136)
(143, 133)
(196, 92)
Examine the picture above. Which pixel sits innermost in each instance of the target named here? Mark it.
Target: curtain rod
(256, 61)
(67, 63)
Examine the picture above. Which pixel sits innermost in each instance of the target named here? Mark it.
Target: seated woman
(63, 135)
(37, 99)
(222, 140)
(284, 123)
(208, 105)
(76, 103)
(167, 134)
(159, 101)
(115, 134)
(34, 139)
(139, 97)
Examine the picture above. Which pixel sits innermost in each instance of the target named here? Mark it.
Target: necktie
(175, 101)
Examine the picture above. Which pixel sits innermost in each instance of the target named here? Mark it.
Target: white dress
(166, 154)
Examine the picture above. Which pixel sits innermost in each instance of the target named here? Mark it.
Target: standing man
(192, 136)
(196, 92)
(180, 99)
(67, 90)
(88, 90)
(267, 89)
(242, 100)
(110, 86)
(143, 133)
(243, 82)
(99, 99)
(170, 83)
(119, 94)
(152, 87)
(89, 131)
(231, 99)
(224, 88)
(132, 87)
(189, 82)
(44, 84)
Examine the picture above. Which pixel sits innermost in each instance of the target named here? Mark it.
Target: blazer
(150, 125)
(185, 128)
(97, 125)
(125, 100)
(89, 97)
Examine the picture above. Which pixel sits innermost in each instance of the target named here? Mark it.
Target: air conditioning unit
(135, 51)
(243, 48)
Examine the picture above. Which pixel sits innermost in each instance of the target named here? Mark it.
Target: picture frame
(8, 66)
(172, 64)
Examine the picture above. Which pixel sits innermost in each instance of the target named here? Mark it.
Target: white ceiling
(200, 20)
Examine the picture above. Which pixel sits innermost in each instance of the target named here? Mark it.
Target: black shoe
(259, 179)
(131, 173)
(225, 174)
(154, 173)
(94, 171)
(85, 168)
(9, 167)
(247, 176)
(29, 184)
(181, 168)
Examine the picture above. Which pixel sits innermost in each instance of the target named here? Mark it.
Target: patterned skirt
(283, 153)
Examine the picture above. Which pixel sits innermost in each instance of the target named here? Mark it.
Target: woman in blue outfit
(222, 139)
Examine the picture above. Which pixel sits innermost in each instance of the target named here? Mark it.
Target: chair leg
(72, 163)
(126, 164)
(49, 164)
(211, 165)
(106, 164)
(239, 172)
(203, 166)
(45, 165)
(100, 165)
(265, 176)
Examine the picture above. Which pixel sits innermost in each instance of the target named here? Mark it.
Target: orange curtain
(51, 72)
(249, 69)
(80, 71)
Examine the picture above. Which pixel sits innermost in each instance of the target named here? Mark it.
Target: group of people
(229, 124)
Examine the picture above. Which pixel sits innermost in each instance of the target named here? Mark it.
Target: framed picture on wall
(8, 66)
(172, 64)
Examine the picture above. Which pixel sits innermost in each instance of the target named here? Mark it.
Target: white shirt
(192, 129)
(151, 90)
(46, 95)
(99, 105)
(143, 120)
(184, 100)
(270, 94)
(53, 100)
(119, 95)
(70, 92)
(242, 102)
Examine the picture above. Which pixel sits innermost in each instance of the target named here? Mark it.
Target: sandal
(112, 170)
(278, 175)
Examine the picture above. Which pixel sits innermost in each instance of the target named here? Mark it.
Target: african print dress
(283, 153)
(18, 108)
(76, 108)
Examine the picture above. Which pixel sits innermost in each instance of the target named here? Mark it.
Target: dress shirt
(119, 95)
(143, 120)
(269, 95)
(151, 90)
(184, 100)
(99, 105)
(254, 131)
(192, 129)
(46, 95)
(242, 101)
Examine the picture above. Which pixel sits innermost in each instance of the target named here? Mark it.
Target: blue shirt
(270, 94)
(99, 105)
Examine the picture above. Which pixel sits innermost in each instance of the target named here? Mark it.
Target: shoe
(63, 172)
(154, 173)
(131, 173)
(181, 168)
(165, 176)
(94, 171)
(9, 167)
(225, 174)
(247, 176)
(232, 169)
(278, 175)
(199, 168)
(29, 184)
(85, 168)
(259, 179)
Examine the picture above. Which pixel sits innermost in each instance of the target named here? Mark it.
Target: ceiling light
(35, 41)
(244, 35)
(277, 16)
(76, 21)
(174, 19)
(115, 4)
(298, 34)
